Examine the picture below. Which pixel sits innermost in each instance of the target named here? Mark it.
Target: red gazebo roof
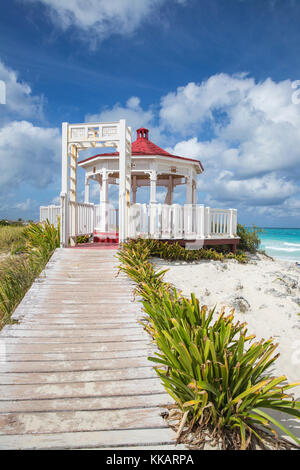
(143, 146)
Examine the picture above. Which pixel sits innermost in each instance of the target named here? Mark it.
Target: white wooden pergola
(80, 137)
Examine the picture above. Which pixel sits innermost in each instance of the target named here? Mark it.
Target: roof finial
(142, 133)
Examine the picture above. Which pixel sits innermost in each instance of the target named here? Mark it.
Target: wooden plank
(83, 325)
(75, 372)
(76, 421)
(77, 376)
(81, 389)
(84, 404)
(19, 348)
(90, 440)
(73, 365)
(83, 356)
(83, 333)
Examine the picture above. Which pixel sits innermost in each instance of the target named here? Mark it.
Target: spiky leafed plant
(41, 239)
(173, 251)
(219, 381)
(18, 273)
(216, 376)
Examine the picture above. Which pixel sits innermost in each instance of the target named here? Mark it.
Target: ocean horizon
(281, 243)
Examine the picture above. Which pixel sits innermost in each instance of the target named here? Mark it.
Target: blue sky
(211, 79)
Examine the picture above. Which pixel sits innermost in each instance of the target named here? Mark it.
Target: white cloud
(253, 157)
(196, 149)
(20, 102)
(98, 19)
(23, 206)
(28, 154)
(134, 114)
(186, 109)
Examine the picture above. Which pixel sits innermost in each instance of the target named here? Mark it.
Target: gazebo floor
(74, 371)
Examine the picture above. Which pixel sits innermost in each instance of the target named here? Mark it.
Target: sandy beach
(264, 293)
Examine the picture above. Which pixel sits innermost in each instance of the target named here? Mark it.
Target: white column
(87, 190)
(124, 148)
(189, 190)
(134, 189)
(64, 230)
(169, 195)
(194, 192)
(153, 180)
(104, 202)
(231, 222)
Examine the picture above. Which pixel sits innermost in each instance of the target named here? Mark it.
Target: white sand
(271, 289)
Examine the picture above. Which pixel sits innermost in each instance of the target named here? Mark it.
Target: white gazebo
(131, 167)
(150, 166)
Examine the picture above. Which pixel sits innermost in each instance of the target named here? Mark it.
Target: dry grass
(27, 251)
(11, 237)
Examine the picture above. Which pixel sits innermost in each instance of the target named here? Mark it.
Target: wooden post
(73, 194)
(207, 223)
(104, 202)
(153, 180)
(64, 197)
(200, 217)
(87, 190)
(124, 179)
(189, 190)
(134, 188)
(169, 195)
(231, 223)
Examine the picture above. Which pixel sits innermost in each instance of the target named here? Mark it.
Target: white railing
(106, 218)
(81, 222)
(163, 221)
(187, 222)
(86, 219)
(50, 213)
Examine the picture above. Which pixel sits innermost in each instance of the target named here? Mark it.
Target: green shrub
(249, 239)
(218, 379)
(82, 239)
(173, 251)
(18, 272)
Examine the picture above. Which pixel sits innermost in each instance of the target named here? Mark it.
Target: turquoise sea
(283, 243)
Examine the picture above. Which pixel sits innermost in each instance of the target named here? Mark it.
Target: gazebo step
(106, 237)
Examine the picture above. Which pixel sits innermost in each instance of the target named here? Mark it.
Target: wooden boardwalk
(74, 371)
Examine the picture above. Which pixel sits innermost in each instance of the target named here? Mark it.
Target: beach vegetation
(249, 238)
(82, 239)
(18, 271)
(218, 374)
(11, 237)
(174, 251)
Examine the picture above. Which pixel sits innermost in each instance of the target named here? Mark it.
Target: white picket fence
(160, 221)
(106, 218)
(188, 222)
(51, 213)
(82, 222)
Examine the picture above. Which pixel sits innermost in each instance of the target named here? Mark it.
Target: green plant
(41, 240)
(219, 381)
(173, 251)
(18, 272)
(11, 237)
(215, 379)
(249, 238)
(82, 239)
